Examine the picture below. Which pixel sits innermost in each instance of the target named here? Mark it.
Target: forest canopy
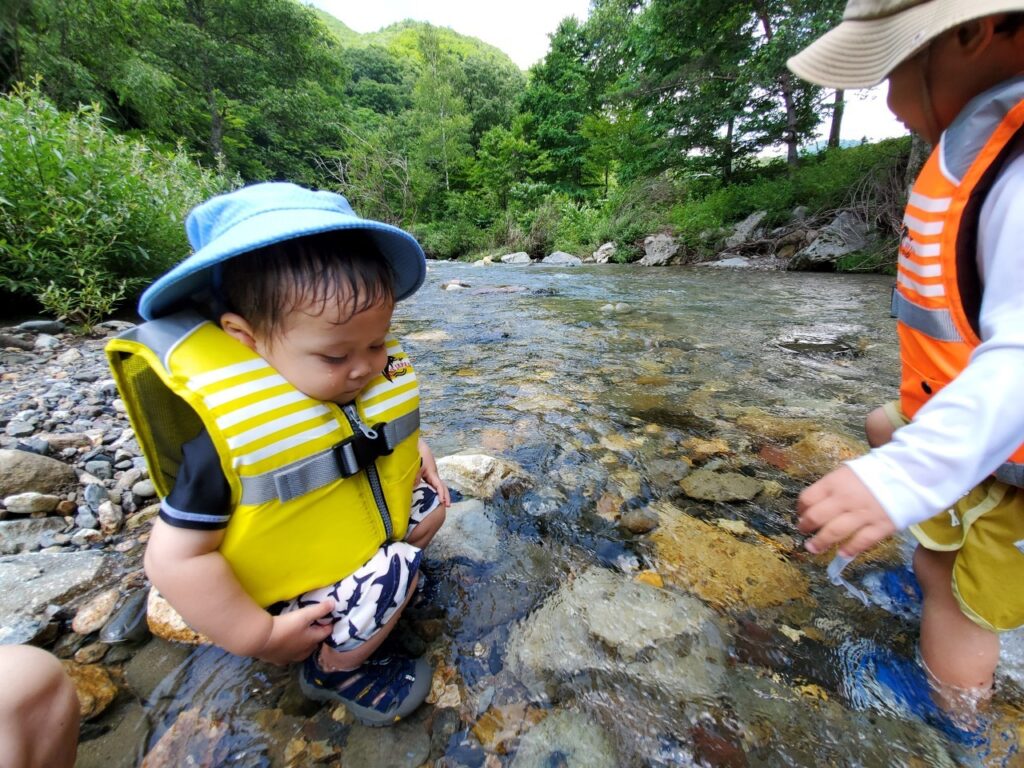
(641, 108)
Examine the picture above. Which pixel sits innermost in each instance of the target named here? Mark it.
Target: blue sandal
(381, 691)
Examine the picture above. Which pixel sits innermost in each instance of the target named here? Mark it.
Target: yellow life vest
(938, 289)
(316, 488)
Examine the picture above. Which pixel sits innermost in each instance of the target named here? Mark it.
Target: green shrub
(87, 217)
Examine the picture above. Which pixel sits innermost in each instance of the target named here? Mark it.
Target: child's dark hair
(264, 285)
(1009, 25)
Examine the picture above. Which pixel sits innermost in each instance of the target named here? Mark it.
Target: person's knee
(38, 707)
(878, 428)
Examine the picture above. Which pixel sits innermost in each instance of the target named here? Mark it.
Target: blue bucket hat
(263, 214)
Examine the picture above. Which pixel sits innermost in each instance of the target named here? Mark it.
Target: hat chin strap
(924, 59)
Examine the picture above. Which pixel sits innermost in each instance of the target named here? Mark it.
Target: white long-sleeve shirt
(971, 426)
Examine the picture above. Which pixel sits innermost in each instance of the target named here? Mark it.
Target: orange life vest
(938, 290)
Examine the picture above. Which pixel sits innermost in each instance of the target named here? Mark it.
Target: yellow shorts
(986, 529)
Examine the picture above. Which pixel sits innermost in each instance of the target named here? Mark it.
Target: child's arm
(430, 475)
(185, 565)
(838, 507)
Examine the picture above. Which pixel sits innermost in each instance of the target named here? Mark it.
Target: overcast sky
(521, 30)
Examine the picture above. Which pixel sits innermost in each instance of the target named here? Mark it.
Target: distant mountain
(345, 35)
(401, 38)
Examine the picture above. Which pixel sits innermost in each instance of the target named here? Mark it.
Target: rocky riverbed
(619, 582)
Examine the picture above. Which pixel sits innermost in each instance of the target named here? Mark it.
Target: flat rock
(569, 740)
(31, 582)
(19, 535)
(404, 745)
(22, 471)
(718, 567)
(720, 486)
(605, 625)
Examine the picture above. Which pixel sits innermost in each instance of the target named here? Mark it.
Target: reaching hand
(430, 475)
(295, 635)
(841, 508)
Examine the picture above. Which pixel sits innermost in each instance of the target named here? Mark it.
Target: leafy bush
(87, 217)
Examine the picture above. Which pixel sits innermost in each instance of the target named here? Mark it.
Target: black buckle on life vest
(360, 451)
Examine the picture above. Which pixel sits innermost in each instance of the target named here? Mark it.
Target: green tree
(558, 99)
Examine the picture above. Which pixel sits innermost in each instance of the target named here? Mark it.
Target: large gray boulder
(746, 229)
(519, 257)
(605, 253)
(562, 259)
(847, 233)
(22, 471)
(661, 250)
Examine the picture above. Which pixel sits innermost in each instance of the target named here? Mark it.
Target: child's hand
(841, 508)
(430, 475)
(294, 636)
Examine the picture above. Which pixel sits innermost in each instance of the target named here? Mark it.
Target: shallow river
(610, 386)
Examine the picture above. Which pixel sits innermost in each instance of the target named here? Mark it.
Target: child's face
(328, 355)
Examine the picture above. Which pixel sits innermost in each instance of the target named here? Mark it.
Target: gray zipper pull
(368, 432)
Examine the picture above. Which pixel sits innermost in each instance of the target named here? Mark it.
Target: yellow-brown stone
(499, 726)
(193, 740)
(94, 687)
(817, 454)
(719, 568)
(702, 450)
(167, 623)
(764, 425)
(650, 577)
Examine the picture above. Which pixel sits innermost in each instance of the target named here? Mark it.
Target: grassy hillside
(401, 39)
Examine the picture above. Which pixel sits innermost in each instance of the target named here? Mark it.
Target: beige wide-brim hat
(876, 36)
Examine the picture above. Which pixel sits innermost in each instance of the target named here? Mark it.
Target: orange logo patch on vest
(396, 368)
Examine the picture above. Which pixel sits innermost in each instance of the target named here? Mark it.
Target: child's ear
(237, 327)
(974, 36)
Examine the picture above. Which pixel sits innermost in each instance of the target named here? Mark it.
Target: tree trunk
(838, 106)
(919, 151)
(730, 129)
(216, 124)
(785, 83)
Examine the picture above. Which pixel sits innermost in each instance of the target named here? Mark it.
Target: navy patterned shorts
(365, 600)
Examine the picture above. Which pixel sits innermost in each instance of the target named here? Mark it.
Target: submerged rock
(718, 567)
(193, 739)
(467, 532)
(94, 687)
(720, 486)
(568, 740)
(815, 455)
(128, 623)
(604, 626)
